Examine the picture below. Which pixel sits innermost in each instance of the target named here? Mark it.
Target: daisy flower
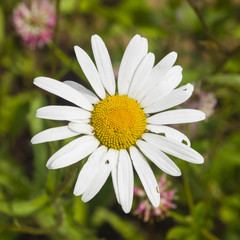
(121, 125)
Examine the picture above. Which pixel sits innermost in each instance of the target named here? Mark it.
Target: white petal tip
(200, 161)
(53, 166)
(200, 115)
(37, 114)
(189, 87)
(126, 210)
(84, 199)
(77, 51)
(156, 204)
(203, 116)
(173, 54)
(137, 36)
(76, 48)
(95, 36)
(36, 80)
(48, 166)
(41, 81)
(178, 174)
(175, 173)
(75, 193)
(33, 141)
(151, 55)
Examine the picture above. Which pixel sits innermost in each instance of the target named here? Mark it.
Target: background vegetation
(37, 203)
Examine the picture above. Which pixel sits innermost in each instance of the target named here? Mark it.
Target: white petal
(89, 170)
(162, 68)
(90, 71)
(113, 159)
(90, 96)
(173, 99)
(81, 128)
(73, 152)
(169, 133)
(177, 116)
(62, 113)
(64, 91)
(125, 180)
(98, 181)
(133, 55)
(53, 134)
(159, 71)
(87, 120)
(170, 81)
(146, 176)
(140, 77)
(174, 147)
(160, 159)
(104, 64)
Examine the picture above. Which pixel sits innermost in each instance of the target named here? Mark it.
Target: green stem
(207, 30)
(228, 52)
(188, 192)
(66, 60)
(37, 231)
(186, 181)
(57, 193)
(209, 235)
(227, 56)
(64, 184)
(180, 218)
(55, 35)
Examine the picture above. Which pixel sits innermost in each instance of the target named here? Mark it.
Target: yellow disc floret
(118, 121)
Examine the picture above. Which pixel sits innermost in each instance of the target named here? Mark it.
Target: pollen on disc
(118, 121)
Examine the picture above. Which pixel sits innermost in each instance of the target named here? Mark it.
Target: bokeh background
(37, 203)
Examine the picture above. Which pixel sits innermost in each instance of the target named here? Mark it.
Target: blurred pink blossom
(204, 101)
(34, 23)
(145, 209)
(201, 100)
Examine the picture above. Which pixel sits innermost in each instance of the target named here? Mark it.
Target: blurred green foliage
(36, 203)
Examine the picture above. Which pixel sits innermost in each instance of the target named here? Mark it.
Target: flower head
(122, 122)
(34, 23)
(149, 213)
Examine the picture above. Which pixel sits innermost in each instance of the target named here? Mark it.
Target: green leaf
(226, 79)
(200, 214)
(40, 151)
(67, 7)
(80, 211)
(226, 163)
(13, 114)
(10, 177)
(178, 233)
(229, 212)
(2, 25)
(180, 218)
(23, 208)
(125, 228)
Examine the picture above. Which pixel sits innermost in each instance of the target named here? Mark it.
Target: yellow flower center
(118, 121)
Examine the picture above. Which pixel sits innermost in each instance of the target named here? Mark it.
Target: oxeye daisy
(120, 122)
